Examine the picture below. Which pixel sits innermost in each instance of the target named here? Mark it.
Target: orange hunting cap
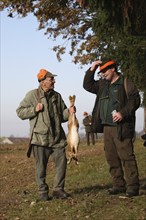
(107, 65)
(43, 74)
(85, 113)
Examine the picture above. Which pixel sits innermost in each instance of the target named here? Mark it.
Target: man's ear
(113, 69)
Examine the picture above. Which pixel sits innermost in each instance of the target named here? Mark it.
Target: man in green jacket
(114, 115)
(46, 110)
(87, 122)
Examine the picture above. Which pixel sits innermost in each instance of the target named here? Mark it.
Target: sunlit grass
(87, 183)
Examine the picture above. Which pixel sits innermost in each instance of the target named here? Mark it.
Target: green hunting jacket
(42, 131)
(129, 102)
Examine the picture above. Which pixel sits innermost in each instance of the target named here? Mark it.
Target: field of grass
(87, 183)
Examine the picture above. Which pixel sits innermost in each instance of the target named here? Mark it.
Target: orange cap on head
(43, 74)
(107, 65)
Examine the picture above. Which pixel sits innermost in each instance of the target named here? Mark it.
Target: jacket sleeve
(26, 108)
(89, 83)
(65, 115)
(85, 121)
(133, 100)
(62, 109)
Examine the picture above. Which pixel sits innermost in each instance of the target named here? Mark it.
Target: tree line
(92, 29)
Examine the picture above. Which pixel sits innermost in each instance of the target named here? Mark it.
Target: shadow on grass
(92, 189)
(143, 184)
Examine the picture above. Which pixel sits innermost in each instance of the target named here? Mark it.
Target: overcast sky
(24, 51)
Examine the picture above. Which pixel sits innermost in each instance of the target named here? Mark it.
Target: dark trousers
(90, 137)
(121, 160)
(42, 155)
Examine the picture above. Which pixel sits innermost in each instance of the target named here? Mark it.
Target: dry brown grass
(87, 183)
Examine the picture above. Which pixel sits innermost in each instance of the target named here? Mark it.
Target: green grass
(87, 183)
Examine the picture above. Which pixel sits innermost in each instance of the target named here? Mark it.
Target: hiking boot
(45, 197)
(132, 193)
(115, 191)
(60, 194)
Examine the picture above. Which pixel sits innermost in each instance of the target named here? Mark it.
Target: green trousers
(41, 155)
(121, 160)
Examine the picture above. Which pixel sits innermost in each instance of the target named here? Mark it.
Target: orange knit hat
(43, 74)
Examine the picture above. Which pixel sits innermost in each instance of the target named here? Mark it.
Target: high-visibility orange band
(109, 63)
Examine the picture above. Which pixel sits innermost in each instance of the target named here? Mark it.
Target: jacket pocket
(126, 130)
(40, 138)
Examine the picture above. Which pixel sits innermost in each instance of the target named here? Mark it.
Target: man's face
(108, 74)
(48, 83)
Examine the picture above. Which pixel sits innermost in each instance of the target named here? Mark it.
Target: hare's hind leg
(75, 155)
(76, 160)
(69, 158)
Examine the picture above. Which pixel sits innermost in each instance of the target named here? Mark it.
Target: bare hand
(95, 65)
(117, 117)
(72, 109)
(39, 107)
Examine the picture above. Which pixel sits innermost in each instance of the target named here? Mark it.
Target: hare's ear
(74, 97)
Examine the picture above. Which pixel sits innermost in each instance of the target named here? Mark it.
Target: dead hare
(73, 138)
